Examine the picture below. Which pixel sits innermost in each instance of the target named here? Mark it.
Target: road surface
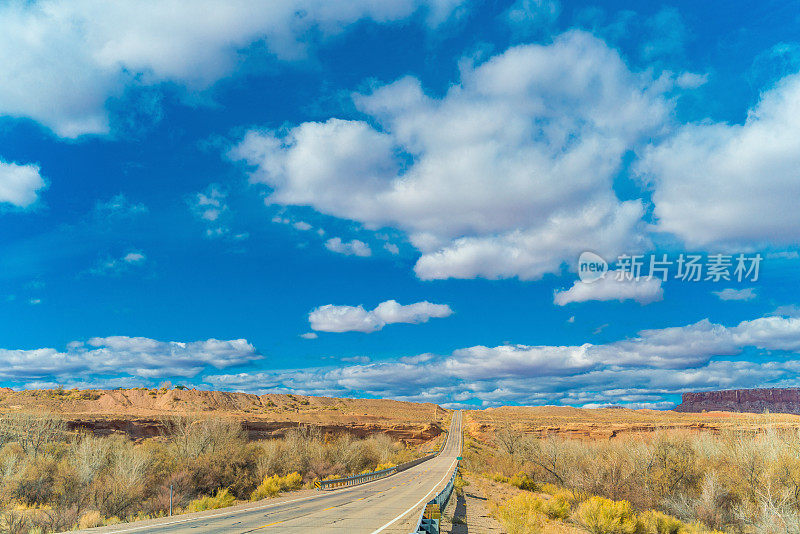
(389, 505)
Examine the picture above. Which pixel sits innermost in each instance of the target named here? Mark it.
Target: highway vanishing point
(389, 505)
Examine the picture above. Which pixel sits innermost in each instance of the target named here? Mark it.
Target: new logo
(591, 267)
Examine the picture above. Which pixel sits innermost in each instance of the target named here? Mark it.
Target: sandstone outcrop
(784, 400)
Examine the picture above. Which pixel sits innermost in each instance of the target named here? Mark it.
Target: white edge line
(270, 505)
(158, 525)
(390, 523)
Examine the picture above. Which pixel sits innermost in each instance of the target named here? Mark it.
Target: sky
(401, 198)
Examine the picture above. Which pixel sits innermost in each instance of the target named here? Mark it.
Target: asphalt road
(389, 505)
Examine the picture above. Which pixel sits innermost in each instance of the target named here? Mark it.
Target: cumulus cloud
(63, 60)
(354, 247)
(642, 290)
(747, 293)
(19, 184)
(137, 357)
(727, 184)
(642, 369)
(331, 318)
(510, 172)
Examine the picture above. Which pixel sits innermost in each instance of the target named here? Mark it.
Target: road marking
(393, 521)
(229, 512)
(326, 509)
(270, 505)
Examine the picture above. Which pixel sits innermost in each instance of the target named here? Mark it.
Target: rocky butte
(775, 400)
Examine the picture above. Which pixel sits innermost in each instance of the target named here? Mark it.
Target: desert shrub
(90, 519)
(523, 482)
(559, 506)
(182, 493)
(522, 514)
(222, 499)
(714, 505)
(653, 522)
(387, 465)
(673, 465)
(14, 522)
(550, 489)
(604, 516)
(51, 480)
(269, 487)
(121, 488)
(57, 519)
(191, 438)
(90, 456)
(272, 486)
(33, 431)
(234, 469)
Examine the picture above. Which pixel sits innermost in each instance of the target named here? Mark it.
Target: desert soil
(610, 423)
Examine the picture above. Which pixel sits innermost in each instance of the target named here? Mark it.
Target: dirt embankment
(141, 412)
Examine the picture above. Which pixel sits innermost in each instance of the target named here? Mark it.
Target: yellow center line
(326, 509)
(270, 524)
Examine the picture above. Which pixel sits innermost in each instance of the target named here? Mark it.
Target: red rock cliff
(743, 400)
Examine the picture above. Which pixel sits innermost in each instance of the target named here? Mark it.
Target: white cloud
(511, 171)
(356, 359)
(784, 255)
(526, 17)
(62, 61)
(392, 248)
(348, 248)
(217, 231)
(331, 318)
(209, 204)
(309, 335)
(211, 207)
(302, 226)
(19, 184)
(728, 184)
(135, 356)
(134, 257)
(632, 371)
(119, 205)
(119, 265)
(641, 290)
(736, 294)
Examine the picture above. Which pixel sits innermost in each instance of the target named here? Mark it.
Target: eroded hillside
(141, 412)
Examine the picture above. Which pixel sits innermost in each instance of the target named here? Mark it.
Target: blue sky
(388, 199)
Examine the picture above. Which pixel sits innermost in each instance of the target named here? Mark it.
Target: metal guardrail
(375, 475)
(431, 516)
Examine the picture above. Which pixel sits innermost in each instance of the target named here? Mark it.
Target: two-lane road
(390, 505)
